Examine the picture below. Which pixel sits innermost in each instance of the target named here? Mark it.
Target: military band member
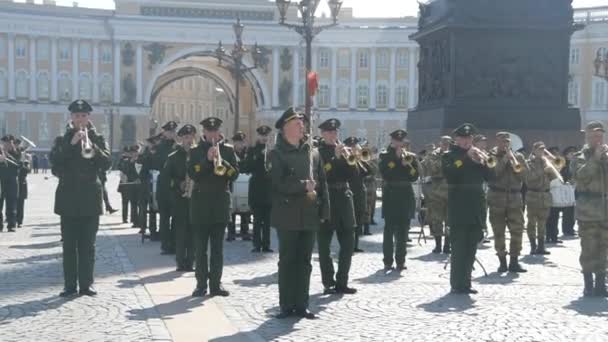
(163, 191)
(437, 200)
(241, 151)
(181, 191)
(399, 168)
(567, 212)
(10, 166)
(371, 186)
(300, 203)
(590, 171)
(465, 170)
(481, 142)
(24, 170)
(538, 198)
(357, 186)
(258, 164)
(128, 186)
(78, 160)
(212, 166)
(505, 202)
(148, 207)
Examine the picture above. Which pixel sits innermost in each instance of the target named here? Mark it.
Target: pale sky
(362, 8)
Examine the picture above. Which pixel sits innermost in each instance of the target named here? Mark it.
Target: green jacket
(260, 183)
(506, 185)
(176, 170)
(211, 202)
(466, 195)
(538, 183)
(591, 178)
(291, 207)
(398, 201)
(340, 177)
(164, 149)
(433, 168)
(79, 192)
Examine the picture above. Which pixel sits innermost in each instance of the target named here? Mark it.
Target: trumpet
(558, 162)
(482, 157)
(219, 169)
(515, 164)
(552, 168)
(87, 150)
(407, 158)
(347, 154)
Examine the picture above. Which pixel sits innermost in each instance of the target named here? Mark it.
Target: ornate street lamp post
(308, 31)
(235, 64)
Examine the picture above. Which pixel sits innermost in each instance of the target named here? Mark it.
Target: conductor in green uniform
(78, 159)
(465, 170)
(212, 167)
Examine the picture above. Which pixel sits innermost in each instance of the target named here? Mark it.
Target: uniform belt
(397, 183)
(538, 190)
(338, 186)
(498, 189)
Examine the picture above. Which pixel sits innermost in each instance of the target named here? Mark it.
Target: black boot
(514, 266)
(437, 245)
(541, 248)
(503, 264)
(588, 291)
(600, 285)
(366, 230)
(446, 245)
(533, 247)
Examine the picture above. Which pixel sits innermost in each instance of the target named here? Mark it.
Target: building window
(599, 94)
(105, 90)
(106, 54)
(20, 48)
(65, 87)
(43, 128)
(363, 59)
(42, 49)
(191, 110)
(344, 59)
(363, 96)
(21, 85)
(403, 59)
(383, 60)
(381, 96)
(172, 109)
(3, 87)
(182, 110)
(401, 96)
(85, 52)
(344, 93)
(64, 50)
(575, 55)
(573, 93)
(86, 87)
(323, 98)
(324, 58)
(43, 85)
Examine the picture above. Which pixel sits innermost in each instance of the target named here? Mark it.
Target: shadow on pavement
(32, 308)
(156, 278)
(537, 260)
(436, 257)
(497, 278)
(379, 277)
(265, 280)
(596, 307)
(51, 244)
(449, 303)
(34, 259)
(167, 310)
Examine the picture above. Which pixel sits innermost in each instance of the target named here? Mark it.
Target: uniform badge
(391, 165)
(327, 167)
(197, 168)
(231, 172)
(458, 163)
(413, 172)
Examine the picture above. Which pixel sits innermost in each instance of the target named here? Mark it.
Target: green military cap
(239, 136)
(80, 106)
(465, 130)
(351, 141)
(594, 126)
(212, 123)
(503, 135)
(264, 130)
(330, 125)
(187, 129)
(288, 115)
(399, 134)
(170, 126)
(538, 145)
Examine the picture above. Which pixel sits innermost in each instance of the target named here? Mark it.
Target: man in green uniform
(148, 173)
(505, 201)
(465, 173)
(538, 197)
(481, 142)
(371, 186)
(163, 189)
(590, 174)
(300, 203)
(181, 189)
(399, 168)
(357, 186)
(129, 183)
(212, 166)
(78, 199)
(258, 164)
(342, 218)
(241, 151)
(437, 200)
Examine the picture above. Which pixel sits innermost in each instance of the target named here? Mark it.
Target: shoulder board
(384, 151)
(172, 153)
(228, 145)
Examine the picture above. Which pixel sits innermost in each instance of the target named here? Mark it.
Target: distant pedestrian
(35, 163)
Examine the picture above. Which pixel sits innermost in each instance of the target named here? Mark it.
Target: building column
(372, 81)
(392, 80)
(54, 67)
(33, 75)
(353, 78)
(140, 73)
(275, 76)
(411, 102)
(11, 66)
(95, 72)
(116, 63)
(296, 77)
(75, 75)
(334, 79)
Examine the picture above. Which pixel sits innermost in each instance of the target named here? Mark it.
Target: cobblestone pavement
(544, 304)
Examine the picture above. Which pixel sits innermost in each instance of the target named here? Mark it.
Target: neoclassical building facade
(136, 63)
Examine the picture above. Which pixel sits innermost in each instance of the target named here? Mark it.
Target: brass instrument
(87, 150)
(219, 169)
(188, 185)
(347, 154)
(407, 158)
(7, 158)
(515, 164)
(26, 144)
(558, 161)
(365, 155)
(483, 158)
(267, 164)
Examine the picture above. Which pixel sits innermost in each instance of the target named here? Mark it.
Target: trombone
(558, 161)
(515, 164)
(219, 169)
(553, 164)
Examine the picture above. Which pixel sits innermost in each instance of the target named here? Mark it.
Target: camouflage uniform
(504, 200)
(437, 200)
(538, 203)
(591, 175)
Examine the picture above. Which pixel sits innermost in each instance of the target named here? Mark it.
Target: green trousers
(394, 240)
(594, 246)
(295, 254)
(464, 240)
(346, 239)
(209, 270)
(79, 235)
(184, 237)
